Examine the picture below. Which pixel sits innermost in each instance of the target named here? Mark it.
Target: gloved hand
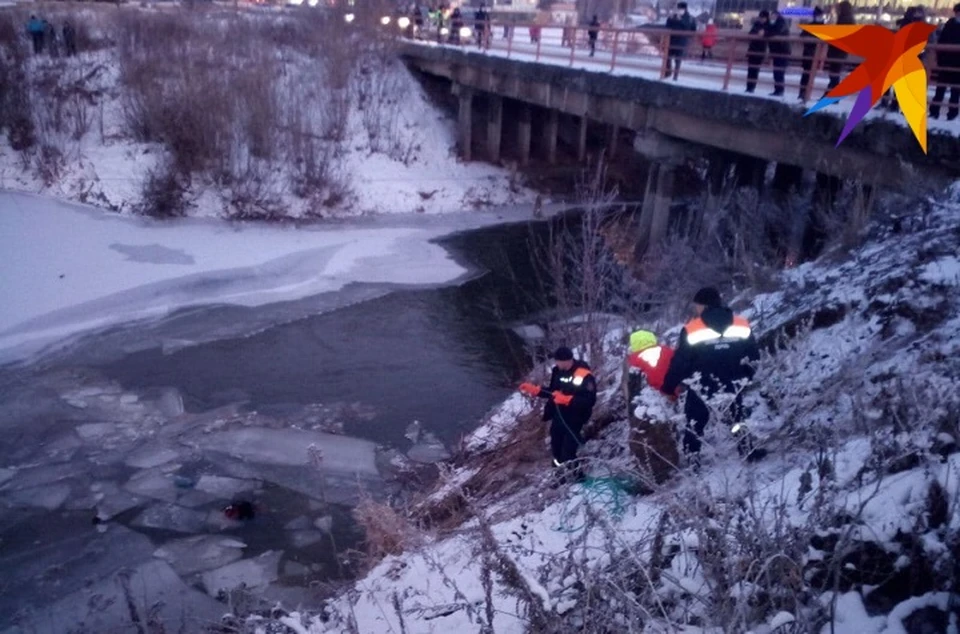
(562, 399)
(530, 389)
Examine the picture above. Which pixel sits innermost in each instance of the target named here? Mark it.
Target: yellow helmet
(641, 340)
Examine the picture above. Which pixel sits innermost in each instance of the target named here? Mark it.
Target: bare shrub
(164, 193)
(387, 531)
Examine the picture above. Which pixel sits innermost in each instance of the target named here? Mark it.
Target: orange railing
(809, 67)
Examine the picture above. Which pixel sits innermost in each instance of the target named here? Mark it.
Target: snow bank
(107, 168)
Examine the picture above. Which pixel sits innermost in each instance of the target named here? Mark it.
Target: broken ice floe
(200, 553)
(254, 574)
(172, 518)
(429, 450)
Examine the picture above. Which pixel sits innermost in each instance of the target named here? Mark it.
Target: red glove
(530, 389)
(562, 399)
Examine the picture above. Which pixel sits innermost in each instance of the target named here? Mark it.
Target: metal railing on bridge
(734, 61)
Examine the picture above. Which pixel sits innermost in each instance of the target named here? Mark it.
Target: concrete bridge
(670, 123)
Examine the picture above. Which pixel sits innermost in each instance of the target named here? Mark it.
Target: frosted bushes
(231, 110)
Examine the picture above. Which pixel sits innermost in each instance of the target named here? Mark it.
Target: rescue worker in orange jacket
(571, 395)
(649, 357)
(719, 346)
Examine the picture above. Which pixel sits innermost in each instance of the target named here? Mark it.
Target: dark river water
(440, 356)
(386, 357)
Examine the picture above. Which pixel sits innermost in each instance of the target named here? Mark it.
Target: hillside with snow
(215, 113)
(848, 526)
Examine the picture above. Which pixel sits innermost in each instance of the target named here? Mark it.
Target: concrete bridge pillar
(787, 177)
(551, 129)
(582, 139)
(494, 127)
(524, 134)
(751, 172)
(655, 213)
(465, 129)
(613, 135)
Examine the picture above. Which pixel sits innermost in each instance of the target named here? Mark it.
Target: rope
(607, 492)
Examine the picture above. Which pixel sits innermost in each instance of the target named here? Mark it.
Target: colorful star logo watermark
(889, 59)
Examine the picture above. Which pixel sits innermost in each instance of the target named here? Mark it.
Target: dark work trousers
(753, 71)
(698, 415)
(947, 79)
(779, 68)
(37, 42)
(565, 439)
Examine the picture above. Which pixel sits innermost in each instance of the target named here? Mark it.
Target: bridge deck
(630, 53)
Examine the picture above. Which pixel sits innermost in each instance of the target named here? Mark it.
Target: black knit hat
(707, 296)
(817, 12)
(563, 354)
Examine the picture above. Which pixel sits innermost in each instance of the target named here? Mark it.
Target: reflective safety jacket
(718, 345)
(653, 362)
(579, 382)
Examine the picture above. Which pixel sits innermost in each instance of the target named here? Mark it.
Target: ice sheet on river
(60, 559)
(151, 591)
(291, 447)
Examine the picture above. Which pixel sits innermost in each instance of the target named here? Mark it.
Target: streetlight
(403, 22)
(444, 31)
(385, 20)
(465, 32)
(348, 18)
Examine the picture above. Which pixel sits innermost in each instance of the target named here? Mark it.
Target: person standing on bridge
(756, 50)
(708, 41)
(571, 395)
(836, 56)
(777, 32)
(677, 44)
(808, 53)
(482, 18)
(592, 33)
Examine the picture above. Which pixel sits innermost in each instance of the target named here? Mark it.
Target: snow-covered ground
(103, 164)
(861, 482)
(70, 268)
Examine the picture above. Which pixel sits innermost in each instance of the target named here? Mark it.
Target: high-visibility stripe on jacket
(698, 332)
(653, 362)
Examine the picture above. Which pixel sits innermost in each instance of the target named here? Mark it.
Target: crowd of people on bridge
(770, 41)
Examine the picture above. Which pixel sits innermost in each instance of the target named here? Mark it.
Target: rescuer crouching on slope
(649, 357)
(719, 346)
(652, 439)
(571, 395)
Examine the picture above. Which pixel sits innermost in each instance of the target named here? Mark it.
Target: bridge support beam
(551, 129)
(583, 126)
(494, 127)
(524, 134)
(465, 129)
